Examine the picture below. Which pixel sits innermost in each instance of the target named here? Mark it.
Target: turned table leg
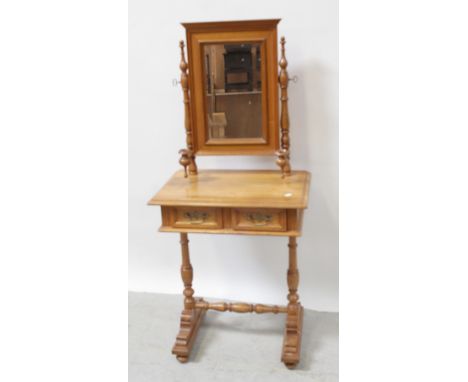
(191, 317)
(293, 330)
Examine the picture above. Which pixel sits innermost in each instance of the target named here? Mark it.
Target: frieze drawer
(244, 219)
(194, 217)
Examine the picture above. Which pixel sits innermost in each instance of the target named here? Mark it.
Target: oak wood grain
(291, 352)
(255, 219)
(250, 202)
(195, 217)
(191, 317)
(235, 188)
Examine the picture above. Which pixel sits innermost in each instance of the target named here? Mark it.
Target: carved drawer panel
(196, 217)
(246, 219)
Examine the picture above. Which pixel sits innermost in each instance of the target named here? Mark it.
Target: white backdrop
(235, 267)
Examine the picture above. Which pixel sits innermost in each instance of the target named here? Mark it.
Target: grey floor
(229, 346)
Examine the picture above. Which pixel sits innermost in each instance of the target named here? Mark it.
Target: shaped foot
(292, 336)
(190, 321)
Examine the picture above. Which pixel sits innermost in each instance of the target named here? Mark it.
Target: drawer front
(244, 219)
(193, 217)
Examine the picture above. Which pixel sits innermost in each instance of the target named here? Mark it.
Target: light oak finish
(195, 217)
(291, 353)
(248, 221)
(186, 272)
(226, 231)
(251, 202)
(195, 308)
(248, 202)
(255, 219)
(190, 320)
(251, 31)
(293, 330)
(241, 307)
(236, 188)
(291, 233)
(191, 316)
(283, 80)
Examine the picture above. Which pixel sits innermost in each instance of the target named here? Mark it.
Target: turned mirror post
(283, 153)
(187, 155)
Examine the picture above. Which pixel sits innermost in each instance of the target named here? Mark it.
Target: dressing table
(231, 100)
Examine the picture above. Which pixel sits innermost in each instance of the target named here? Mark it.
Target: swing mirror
(233, 81)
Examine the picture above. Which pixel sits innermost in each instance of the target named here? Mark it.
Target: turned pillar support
(186, 272)
(293, 273)
(293, 329)
(191, 317)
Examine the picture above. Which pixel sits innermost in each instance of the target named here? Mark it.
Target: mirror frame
(231, 32)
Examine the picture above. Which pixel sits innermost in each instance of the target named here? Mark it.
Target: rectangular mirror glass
(233, 90)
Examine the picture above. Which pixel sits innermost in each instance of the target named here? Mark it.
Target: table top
(236, 188)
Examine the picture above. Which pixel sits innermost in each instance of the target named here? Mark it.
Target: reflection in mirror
(233, 90)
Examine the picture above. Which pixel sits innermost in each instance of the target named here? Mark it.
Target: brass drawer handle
(196, 217)
(259, 219)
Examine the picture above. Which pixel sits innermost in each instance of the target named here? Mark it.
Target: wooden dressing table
(249, 202)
